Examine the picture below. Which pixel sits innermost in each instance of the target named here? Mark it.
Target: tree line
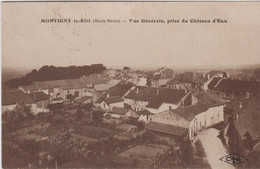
(56, 73)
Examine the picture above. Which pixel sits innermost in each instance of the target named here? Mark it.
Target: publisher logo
(233, 159)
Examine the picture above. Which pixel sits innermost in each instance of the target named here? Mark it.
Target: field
(95, 132)
(142, 152)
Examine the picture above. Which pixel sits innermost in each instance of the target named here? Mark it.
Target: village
(124, 118)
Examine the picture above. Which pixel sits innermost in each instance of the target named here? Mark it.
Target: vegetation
(56, 73)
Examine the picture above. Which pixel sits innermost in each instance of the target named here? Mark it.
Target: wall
(212, 116)
(166, 106)
(118, 104)
(104, 105)
(171, 119)
(136, 105)
(42, 104)
(8, 108)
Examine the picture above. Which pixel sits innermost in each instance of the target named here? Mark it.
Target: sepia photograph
(130, 85)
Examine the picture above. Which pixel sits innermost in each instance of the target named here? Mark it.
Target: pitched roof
(189, 112)
(16, 96)
(249, 117)
(101, 87)
(119, 110)
(238, 86)
(165, 128)
(63, 84)
(96, 79)
(39, 96)
(208, 100)
(115, 99)
(149, 94)
(120, 89)
(82, 99)
(213, 82)
(144, 112)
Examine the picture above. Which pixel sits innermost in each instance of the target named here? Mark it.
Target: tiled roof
(101, 87)
(120, 89)
(144, 112)
(189, 112)
(96, 79)
(39, 96)
(16, 96)
(82, 99)
(165, 128)
(238, 86)
(249, 118)
(149, 94)
(213, 82)
(63, 84)
(208, 100)
(115, 99)
(119, 110)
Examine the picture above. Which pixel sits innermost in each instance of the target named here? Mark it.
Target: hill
(55, 73)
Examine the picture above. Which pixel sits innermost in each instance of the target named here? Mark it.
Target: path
(214, 148)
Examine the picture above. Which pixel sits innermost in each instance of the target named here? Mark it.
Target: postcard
(130, 85)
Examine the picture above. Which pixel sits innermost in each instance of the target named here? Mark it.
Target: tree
(140, 125)
(79, 113)
(97, 116)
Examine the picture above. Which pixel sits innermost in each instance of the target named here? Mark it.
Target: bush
(140, 125)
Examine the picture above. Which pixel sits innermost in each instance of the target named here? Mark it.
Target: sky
(28, 43)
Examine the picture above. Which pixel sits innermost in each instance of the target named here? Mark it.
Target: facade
(155, 100)
(194, 118)
(242, 130)
(110, 102)
(230, 89)
(16, 97)
(41, 99)
(114, 95)
(118, 115)
(58, 88)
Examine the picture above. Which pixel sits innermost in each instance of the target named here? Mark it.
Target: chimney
(157, 91)
(137, 90)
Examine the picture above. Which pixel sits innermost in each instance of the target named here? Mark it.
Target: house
(195, 118)
(111, 72)
(144, 116)
(109, 102)
(41, 99)
(214, 73)
(115, 94)
(83, 100)
(118, 115)
(230, 89)
(179, 84)
(99, 90)
(242, 130)
(155, 99)
(213, 79)
(58, 88)
(95, 79)
(162, 129)
(16, 97)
